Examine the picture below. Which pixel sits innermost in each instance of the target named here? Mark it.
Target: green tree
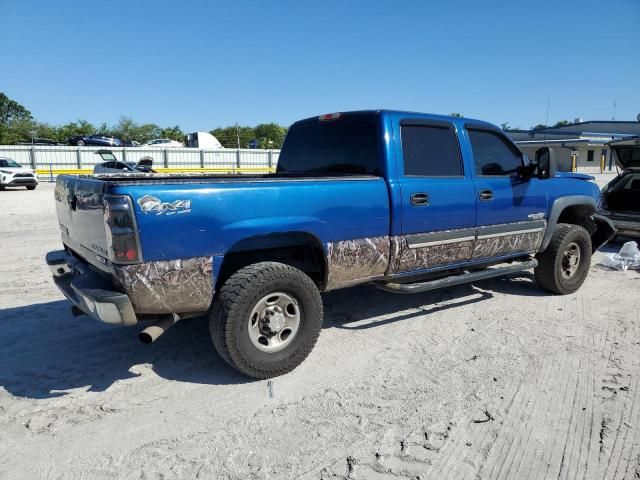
(79, 127)
(128, 130)
(15, 121)
(540, 126)
(562, 123)
(174, 133)
(230, 136)
(270, 135)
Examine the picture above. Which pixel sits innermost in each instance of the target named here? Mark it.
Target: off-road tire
(548, 273)
(228, 323)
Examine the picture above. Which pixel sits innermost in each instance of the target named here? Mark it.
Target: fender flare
(557, 208)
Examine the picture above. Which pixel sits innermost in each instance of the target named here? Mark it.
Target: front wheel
(31, 187)
(80, 143)
(563, 266)
(266, 319)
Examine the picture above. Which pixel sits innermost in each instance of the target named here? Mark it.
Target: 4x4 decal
(149, 204)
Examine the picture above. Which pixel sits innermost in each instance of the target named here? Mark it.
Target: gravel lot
(492, 380)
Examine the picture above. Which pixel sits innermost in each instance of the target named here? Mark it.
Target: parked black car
(40, 141)
(620, 200)
(97, 140)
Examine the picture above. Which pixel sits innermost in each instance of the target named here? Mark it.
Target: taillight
(121, 229)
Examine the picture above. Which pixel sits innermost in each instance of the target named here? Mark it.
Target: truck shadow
(364, 307)
(45, 352)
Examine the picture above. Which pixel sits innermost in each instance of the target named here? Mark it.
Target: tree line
(17, 125)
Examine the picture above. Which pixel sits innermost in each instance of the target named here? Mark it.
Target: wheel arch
(302, 250)
(578, 210)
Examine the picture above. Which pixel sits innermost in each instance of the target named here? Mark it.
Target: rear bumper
(89, 291)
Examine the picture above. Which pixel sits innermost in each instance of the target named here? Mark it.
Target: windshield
(107, 156)
(8, 163)
(346, 145)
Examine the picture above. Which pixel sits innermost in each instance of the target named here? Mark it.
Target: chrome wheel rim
(274, 322)
(570, 260)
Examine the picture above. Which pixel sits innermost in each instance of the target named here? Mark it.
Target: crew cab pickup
(406, 201)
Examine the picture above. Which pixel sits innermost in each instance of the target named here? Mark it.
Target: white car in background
(12, 174)
(162, 143)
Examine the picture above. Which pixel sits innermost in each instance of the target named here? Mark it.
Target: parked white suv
(12, 174)
(162, 142)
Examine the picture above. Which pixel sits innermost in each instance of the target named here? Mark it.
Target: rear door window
(431, 151)
(493, 154)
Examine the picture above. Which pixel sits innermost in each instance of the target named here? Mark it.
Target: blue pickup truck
(406, 201)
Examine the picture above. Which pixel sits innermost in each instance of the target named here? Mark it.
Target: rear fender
(299, 249)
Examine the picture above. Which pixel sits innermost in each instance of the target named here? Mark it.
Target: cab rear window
(343, 145)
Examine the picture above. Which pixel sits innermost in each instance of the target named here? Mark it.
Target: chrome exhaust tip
(153, 332)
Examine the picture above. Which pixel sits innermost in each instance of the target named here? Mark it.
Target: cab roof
(403, 113)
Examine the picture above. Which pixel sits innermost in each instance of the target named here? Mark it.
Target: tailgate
(80, 210)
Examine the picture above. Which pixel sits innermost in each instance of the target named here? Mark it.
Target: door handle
(419, 199)
(485, 194)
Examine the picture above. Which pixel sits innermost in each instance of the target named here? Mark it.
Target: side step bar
(465, 277)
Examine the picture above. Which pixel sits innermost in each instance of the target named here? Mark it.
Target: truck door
(438, 198)
(511, 209)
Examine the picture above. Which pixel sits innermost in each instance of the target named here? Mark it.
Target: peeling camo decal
(405, 259)
(174, 286)
(149, 204)
(520, 242)
(354, 261)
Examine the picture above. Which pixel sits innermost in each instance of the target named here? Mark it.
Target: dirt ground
(492, 380)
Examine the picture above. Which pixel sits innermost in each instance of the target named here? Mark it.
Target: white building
(585, 140)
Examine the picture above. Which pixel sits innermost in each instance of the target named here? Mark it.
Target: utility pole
(238, 134)
(614, 110)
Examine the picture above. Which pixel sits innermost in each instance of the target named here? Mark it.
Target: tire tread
(229, 301)
(546, 271)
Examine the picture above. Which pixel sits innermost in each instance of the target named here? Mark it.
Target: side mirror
(546, 162)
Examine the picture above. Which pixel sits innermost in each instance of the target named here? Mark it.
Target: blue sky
(204, 64)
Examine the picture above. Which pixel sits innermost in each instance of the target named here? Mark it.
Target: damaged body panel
(175, 286)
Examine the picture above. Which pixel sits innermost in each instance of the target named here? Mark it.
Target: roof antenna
(614, 110)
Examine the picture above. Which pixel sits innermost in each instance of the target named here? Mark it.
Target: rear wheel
(563, 266)
(80, 143)
(266, 319)
(31, 187)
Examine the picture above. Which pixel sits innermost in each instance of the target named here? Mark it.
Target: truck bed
(185, 216)
(180, 178)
